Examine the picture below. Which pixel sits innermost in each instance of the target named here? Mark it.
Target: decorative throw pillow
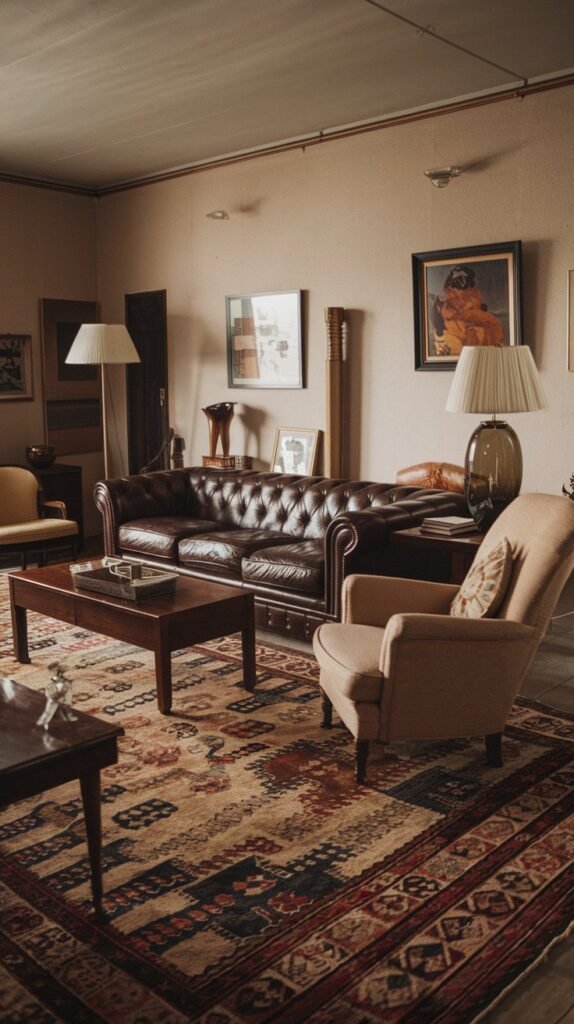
(482, 591)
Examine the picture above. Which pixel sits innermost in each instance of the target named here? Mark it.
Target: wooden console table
(461, 549)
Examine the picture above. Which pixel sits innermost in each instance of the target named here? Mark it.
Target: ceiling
(100, 92)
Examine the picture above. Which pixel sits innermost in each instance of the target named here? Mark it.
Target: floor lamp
(102, 344)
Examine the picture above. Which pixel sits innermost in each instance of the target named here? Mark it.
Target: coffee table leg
(19, 629)
(163, 678)
(91, 797)
(248, 646)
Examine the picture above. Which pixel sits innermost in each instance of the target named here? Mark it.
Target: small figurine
(58, 691)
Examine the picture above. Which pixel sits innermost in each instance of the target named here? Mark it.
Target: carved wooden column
(334, 320)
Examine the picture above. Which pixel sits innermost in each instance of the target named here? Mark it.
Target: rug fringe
(525, 974)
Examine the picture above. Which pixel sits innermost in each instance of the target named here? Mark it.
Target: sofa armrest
(355, 542)
(167, 492)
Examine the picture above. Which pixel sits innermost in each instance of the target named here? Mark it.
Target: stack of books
(449, 525)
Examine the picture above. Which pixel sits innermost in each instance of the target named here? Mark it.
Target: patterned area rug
(248, 879)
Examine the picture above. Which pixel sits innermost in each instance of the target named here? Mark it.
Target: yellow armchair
(28, 525)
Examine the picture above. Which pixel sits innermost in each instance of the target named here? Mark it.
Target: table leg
(19, 629)
(248, 645)
(91, 797)
(163, 677)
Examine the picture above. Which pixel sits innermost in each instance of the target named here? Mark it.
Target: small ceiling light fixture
(440, 176)
(218, 215)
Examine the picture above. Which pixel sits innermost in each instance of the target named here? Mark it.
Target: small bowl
(41, 455)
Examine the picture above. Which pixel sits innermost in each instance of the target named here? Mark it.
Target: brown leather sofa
(290, 539)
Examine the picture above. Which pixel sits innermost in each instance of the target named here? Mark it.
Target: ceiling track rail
(302, 143)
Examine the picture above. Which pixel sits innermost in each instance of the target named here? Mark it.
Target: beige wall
(341, 221)
(48, 251)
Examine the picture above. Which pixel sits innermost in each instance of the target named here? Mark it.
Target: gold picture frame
(295, 451)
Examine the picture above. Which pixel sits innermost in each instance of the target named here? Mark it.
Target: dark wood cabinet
(61, 482)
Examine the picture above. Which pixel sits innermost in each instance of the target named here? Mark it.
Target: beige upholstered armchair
(400, 666)
(28, 525)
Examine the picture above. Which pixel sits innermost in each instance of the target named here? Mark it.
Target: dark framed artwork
(16, 382)
(464, 297)
(264, 340)
(72, 396)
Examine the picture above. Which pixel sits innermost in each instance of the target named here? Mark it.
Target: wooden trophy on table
(219, 417)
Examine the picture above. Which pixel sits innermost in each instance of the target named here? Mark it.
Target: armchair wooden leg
(361, 755)
(493, 744)
(327, 711)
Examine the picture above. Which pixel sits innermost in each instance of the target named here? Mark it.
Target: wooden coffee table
(33, 759)
(197, 611)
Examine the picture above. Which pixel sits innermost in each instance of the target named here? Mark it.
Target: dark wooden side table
(61, 482)
(461, 549)
(33, 759)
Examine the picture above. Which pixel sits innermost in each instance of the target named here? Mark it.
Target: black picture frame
(446, 319)
(265, 340)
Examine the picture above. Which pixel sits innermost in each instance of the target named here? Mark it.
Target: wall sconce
(440, 176)
(218, 215)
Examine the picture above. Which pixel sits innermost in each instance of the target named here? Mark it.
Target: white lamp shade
(103, 343)
(496, 380)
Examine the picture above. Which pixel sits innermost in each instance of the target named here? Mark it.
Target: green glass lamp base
(492, 471)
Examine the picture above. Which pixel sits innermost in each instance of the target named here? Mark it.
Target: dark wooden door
(146, 382)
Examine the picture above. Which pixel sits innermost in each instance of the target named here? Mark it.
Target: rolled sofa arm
(138, 497)
(355, 542)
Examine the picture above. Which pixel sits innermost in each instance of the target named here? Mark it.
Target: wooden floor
(546, 995)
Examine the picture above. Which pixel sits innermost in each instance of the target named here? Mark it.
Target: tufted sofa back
(300, 506)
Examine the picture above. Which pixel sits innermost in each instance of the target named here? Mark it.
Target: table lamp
(103, 343)
(493, 381)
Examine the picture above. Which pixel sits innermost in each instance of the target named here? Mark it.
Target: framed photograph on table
(264, 340)
(464, 297)
(16, 367)
(295, 451)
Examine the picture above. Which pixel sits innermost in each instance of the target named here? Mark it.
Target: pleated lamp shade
(496, 380)
(103, 343)
(492, 381)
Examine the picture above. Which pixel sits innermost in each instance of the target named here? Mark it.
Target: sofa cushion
(292, 567)
(159, 536)
(223, 553)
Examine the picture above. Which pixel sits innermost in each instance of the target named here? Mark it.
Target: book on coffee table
(449, 525)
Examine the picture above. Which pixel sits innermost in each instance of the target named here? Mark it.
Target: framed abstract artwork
(264, 340)
(72, 395)
(463, 297)
(295, 451)
(16, 382)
